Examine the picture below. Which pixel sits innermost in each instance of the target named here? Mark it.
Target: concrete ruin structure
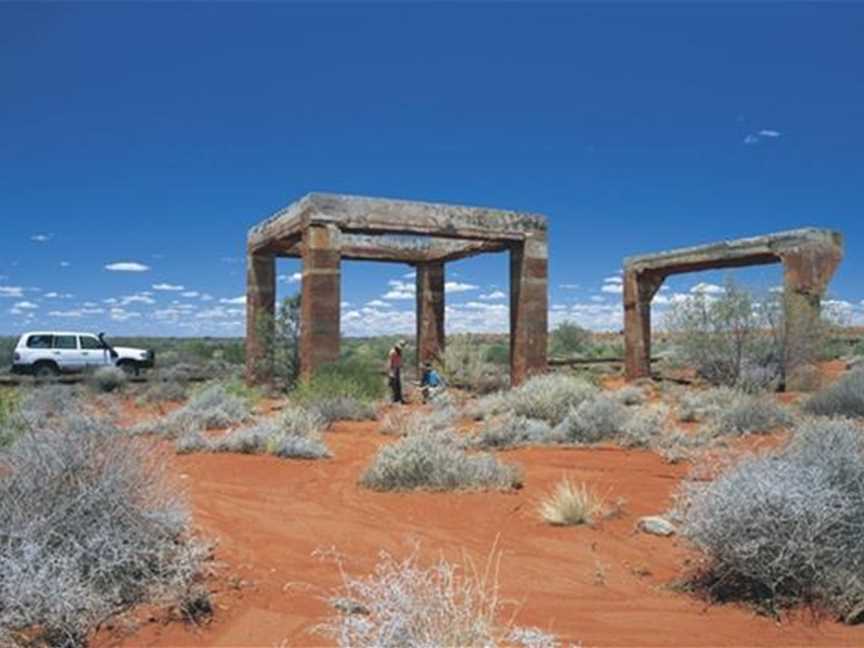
(809, 257)
(325, 229)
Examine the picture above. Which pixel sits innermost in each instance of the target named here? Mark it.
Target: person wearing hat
(394, 371)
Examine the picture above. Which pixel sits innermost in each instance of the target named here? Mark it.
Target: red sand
(605, 586)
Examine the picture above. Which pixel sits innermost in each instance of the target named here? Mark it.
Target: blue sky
(158, 134)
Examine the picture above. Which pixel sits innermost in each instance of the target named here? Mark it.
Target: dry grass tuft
(569, 504)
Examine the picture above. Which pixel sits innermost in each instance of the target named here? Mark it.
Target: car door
(66, 354)
(93, 352)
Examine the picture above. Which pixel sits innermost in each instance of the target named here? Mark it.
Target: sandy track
(605, 586)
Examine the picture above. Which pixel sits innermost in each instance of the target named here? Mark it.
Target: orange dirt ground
(602, 586)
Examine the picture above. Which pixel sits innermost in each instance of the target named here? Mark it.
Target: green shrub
(359, 381)
(550, 397)
(295, 434)
(569, 339)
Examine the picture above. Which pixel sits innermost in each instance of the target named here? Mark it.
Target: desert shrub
(698, 406)
(785, 528)
(488, 405)
(497, 354)
(89, 526)
(350, 379)
(464, 365)
(511, 431)
(569, 504)
(344, 408)
(749, 414)
(107, 379)
(406, 605)
(50, 401)
(629, 395)
(295, 434)
(404, 423)
(677, 446)
(162, 391)
(216, 407)
(436, 461)
(192, 441)
(597, 419)
(550, 396)
(843, 398)
(643, 428)
(568, 339)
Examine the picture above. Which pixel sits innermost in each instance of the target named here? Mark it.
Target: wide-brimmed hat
(401, 343)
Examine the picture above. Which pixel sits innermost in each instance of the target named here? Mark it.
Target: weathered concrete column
(529, 307)
(430, 311)
(260, 312)
(806, 274)
(320, 302)
(639, 290)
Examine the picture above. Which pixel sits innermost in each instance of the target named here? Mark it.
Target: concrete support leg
(430, 311)
(529, 307)
(639, 290)
(806, 274)
(260, 313)
(320, 301)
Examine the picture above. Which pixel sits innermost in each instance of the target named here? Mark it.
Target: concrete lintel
(382, 215)
(398, 247)
(756, 250)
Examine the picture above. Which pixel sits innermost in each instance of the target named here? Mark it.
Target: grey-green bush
(436, 461)
(785, 528)
(511, 431)
(90, 526)
(597, 419)
(749, 414)
(550, 397)
(843, 398)
(343, 408)
(108, 379)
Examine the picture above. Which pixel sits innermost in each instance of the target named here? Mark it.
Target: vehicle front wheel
(129, 368)
(45, 371)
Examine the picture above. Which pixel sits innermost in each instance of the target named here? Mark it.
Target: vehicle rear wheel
(45, 371)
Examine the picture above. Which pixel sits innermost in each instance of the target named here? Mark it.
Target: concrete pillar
(806, 274)
(260, 316)
(320, 302)
(430, 311)
(639, 290)
(529, 307)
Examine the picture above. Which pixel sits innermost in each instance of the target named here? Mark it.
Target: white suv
(45, 354)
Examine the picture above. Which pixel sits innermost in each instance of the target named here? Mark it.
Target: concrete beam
(529, 307)
(397, 248)
(381, 215)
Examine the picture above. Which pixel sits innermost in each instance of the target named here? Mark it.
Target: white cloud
(127, 266)
(707, 289)
(139, 298)
(236, 300)
(25, 305)
(68, 313)
(400, 290)
(41, 238)
(168, 287)
(765, 133)
(614, 279)
(11, 291)
(613, 288)
(495, 294)
(292, 278)
(65, 264)
(121, 314)
(377, 303)
(189, 294)
(458, 287)
(569, 286)
(56, 295)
